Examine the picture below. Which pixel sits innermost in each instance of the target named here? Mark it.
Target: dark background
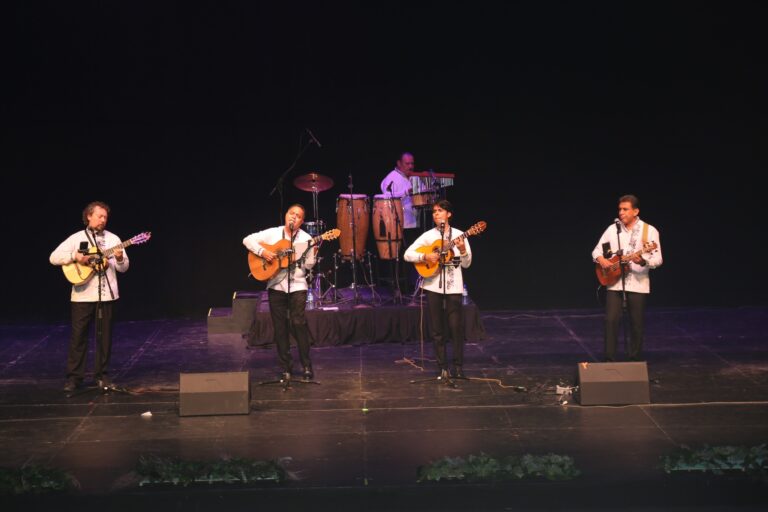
(183, 117)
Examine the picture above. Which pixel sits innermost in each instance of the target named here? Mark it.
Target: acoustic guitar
(611, 275)
(426, 269)
(263, 270)
(77, 273)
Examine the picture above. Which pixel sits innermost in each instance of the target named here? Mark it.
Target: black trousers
(84, 316)
(636, 313)
(444, 321)
(280, 303)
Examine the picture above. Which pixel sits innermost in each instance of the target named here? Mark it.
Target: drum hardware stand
(371, 284)
(397, 296)
(332, 284)
(351, 208)
(416, 299)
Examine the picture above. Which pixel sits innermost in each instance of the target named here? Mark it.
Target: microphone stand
(624, 267)
(398, 297)
(444, 374)
(279, 183)
(285, 381)
(100, 266)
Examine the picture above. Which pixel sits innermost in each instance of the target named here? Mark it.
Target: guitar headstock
(331, 234)
(477, 228)
(141, 238)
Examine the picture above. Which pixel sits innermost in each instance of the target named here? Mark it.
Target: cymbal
(313, 182)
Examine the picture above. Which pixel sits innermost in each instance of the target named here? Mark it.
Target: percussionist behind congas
(397, 184)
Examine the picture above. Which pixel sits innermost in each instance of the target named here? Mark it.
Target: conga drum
(387, 222)
(351, 207)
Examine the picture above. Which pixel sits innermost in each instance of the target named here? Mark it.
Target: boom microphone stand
(279, 183)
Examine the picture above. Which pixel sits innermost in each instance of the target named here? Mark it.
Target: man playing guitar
(444, 288)
(627, 236)
(287, 289)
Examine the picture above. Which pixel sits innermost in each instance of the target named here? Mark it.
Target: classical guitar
(428, 269)
(611, 275)
(77, 273)
(263, 270)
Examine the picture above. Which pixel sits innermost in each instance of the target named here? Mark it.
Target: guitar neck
(452, 243)
(108, 252)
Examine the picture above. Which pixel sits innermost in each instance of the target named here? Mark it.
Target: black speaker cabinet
(614, 383)
(202, 394)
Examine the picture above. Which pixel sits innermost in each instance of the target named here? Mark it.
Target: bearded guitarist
(444, 287)
(629, 248)
(92, 301)
(287, 289)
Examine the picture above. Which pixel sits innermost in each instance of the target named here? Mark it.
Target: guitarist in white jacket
(287, 290)
(444, 288)
(630, 234)
(87, 297)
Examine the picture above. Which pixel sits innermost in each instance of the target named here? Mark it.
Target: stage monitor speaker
(614, 383)
(205, 394)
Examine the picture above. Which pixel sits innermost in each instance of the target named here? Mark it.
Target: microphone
(616, 221)
(442, 227)
(314, 139)
(290, 226)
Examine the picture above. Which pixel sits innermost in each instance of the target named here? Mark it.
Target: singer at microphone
(443, 285)
(287, 287)
(627, 251)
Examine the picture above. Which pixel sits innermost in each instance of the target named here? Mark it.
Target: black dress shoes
(307, 374)
(104, 382)
(72, 384)
(458, 373)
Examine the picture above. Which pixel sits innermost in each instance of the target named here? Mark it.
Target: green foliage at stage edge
(35, 480)
(165, 470)
(484, 468)
(719, 460)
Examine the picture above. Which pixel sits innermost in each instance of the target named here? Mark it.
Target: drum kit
(354, 217)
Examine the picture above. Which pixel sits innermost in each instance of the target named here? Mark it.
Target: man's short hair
(629, 198)
(92, 206)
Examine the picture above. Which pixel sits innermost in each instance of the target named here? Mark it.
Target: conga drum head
(352, 216)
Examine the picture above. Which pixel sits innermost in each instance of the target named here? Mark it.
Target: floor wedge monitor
(207, 394)
(613, 383)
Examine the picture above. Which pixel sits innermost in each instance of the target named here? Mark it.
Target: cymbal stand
(351, 207)
(331, 284)
(314, 288)
(374, 296)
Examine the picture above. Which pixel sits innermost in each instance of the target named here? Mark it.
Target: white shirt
(637, 279)
(453, 278)
(89, 291)
(298, 276)
(401, 187)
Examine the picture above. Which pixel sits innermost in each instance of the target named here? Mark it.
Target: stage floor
(709, 381)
